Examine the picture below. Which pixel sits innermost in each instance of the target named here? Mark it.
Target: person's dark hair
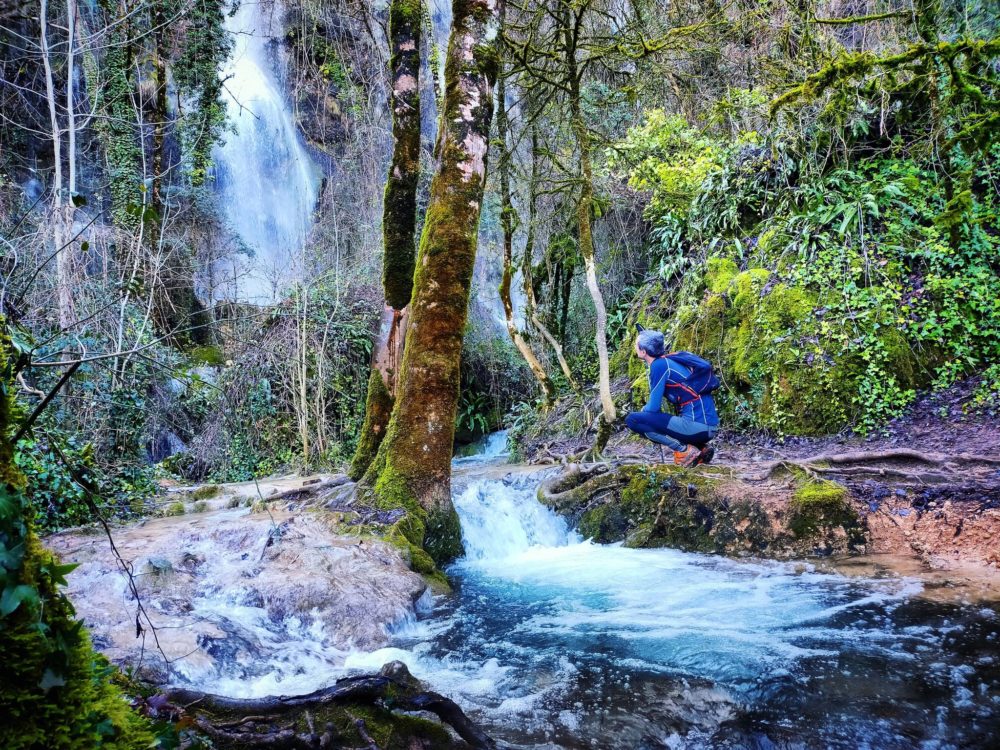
(651, 342)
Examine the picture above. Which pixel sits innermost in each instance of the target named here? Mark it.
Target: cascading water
(551, 641)
(265, 181)
(555, 642)
(484, 450)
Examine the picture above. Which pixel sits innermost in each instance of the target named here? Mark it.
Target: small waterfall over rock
(501, 520)
(265, 181)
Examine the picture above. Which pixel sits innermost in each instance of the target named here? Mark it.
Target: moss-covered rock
(821, 508)
(206, 492)
(175, 508)
(666, 506)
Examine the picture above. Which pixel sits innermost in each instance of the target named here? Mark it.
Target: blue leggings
(675, 432)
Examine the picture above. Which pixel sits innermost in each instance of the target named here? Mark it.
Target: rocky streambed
(631, 608)
(239, 595)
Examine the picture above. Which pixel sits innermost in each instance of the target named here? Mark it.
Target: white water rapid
(265, 181)
(555, 642)
(550, 641)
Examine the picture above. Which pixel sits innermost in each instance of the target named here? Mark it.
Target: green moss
(672, 507)
(206, 492)
(174, 509)
(378, 409)
(418, 559)
(391, 731)
(820, 506)
(443, 538)
(604, 523)
(719, 274)
(199, 507)
(747, 287)
(208, 355)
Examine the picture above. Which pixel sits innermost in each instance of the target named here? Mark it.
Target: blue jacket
(666, 380)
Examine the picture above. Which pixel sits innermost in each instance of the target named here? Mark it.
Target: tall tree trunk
(60, 227)
(507, 223)
(413, 466)
(399, 215)
(584, 230)
(531, 304)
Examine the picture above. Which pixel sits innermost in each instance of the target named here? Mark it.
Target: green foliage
(55, 692)
(121, 142)
(205, 46)
(863, 279)
(472, 415)
(57, 500)
(667, 157)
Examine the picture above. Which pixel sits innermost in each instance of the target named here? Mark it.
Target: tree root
(577, 485)
(393, 682)
(840, 464)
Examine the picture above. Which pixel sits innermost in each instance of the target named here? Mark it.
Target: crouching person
(686, 381)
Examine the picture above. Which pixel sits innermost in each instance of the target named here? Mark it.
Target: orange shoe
(687, 458)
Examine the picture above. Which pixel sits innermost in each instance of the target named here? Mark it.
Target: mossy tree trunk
(413, 465)
(507, 221)
(399, 215)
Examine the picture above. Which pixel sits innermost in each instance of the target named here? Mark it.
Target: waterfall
(501, 520)
(265, 181)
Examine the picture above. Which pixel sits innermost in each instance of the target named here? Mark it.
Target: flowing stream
(554, 642)
(550, 641)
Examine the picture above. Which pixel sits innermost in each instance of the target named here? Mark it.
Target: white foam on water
(547, 630)
(499, 523)
(559, 598)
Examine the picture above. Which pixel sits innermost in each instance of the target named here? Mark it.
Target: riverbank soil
(927, 487)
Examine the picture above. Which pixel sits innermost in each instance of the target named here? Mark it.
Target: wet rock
(238, 596)
(163, 445)
(671, 507)
(160, 565)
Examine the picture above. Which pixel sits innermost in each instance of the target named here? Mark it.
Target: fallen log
(270, 722)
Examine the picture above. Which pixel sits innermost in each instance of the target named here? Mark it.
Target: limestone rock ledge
(791, 514)
(225, 592)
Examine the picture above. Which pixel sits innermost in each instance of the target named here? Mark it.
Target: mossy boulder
(671, 507)
(783, 365)
(206, 492)
(666, 506)
(820, 509)
(175, 508)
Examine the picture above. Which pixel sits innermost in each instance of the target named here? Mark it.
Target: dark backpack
(702, 380)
